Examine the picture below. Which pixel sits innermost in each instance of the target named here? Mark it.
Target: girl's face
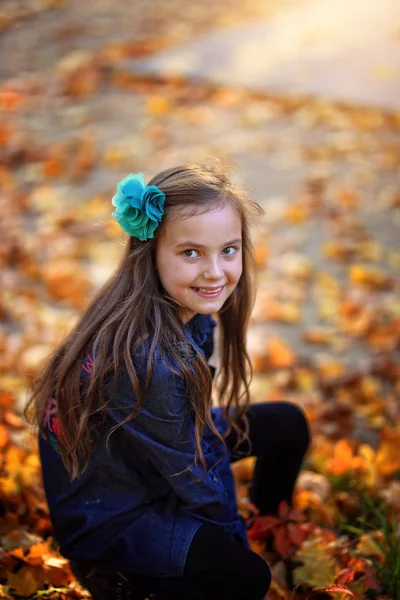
(199, 259)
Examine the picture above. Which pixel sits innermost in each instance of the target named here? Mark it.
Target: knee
(298, 427)
(260, 579)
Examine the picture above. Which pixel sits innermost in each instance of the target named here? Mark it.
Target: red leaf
(296, 534)
(283, 509)
(346, 576)
(283, 544)
(371, 579)
(358, 568)
(262, 526)
(338, 588)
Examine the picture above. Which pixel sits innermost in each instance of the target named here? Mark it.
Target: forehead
(210, 228)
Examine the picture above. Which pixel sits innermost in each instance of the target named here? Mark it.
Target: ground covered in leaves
(326, 326)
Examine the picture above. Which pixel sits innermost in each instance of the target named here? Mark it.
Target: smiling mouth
(208, 293)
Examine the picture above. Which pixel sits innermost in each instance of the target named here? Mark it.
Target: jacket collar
(199, 327)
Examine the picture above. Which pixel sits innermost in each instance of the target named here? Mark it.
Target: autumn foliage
(325, 329)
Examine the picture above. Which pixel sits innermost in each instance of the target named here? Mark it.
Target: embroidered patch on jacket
(51, 422)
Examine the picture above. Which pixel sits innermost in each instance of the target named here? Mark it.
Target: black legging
(218, 568)
(279, 436)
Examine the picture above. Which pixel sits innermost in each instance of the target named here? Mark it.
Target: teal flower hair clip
(139, 207)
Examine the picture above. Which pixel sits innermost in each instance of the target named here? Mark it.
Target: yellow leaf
(368, 545)
(10, 486)
(158, 106)
(369, 470)
(319, 568)
(388, 458)
(331, 369)
(23, 582)
(305, 379)
(319, 335)
(297, 213)
(369, 276)
(4, 594)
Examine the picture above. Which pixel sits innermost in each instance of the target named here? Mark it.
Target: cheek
(175, 274)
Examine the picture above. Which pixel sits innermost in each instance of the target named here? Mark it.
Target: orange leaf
(37, 553)
(53, 167)
(58, 571)
(280, 355)
(10, 101)
(5, 134)
(261, 254)
(17, 553)
(82, 81)
(243, 469)
(4, 439)
(384, 337)
(12, 420)
(343, 459)
(347, 199)
(7, 399)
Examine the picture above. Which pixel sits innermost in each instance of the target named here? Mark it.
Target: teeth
(203, 291)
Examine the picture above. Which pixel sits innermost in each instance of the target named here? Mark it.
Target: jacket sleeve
(163, 433)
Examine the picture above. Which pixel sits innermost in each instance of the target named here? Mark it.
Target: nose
(213, 269)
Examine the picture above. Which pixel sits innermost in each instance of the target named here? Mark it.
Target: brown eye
(185, 253)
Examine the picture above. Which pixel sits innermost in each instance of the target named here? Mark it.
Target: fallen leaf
(24, 582)
(335, 588)
(279, 354)
(343, 459)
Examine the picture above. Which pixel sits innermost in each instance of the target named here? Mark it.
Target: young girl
(136, 462)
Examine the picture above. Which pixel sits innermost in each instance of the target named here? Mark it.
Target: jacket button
(215, 478)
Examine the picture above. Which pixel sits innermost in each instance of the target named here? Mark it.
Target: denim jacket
(129, 510)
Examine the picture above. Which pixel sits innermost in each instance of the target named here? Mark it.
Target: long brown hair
(132, 307)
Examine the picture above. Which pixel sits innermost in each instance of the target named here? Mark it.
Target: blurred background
(301, 98)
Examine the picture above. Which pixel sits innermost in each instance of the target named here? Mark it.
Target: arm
(163, 433)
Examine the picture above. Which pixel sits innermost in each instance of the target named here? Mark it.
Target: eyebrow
(189, 243)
